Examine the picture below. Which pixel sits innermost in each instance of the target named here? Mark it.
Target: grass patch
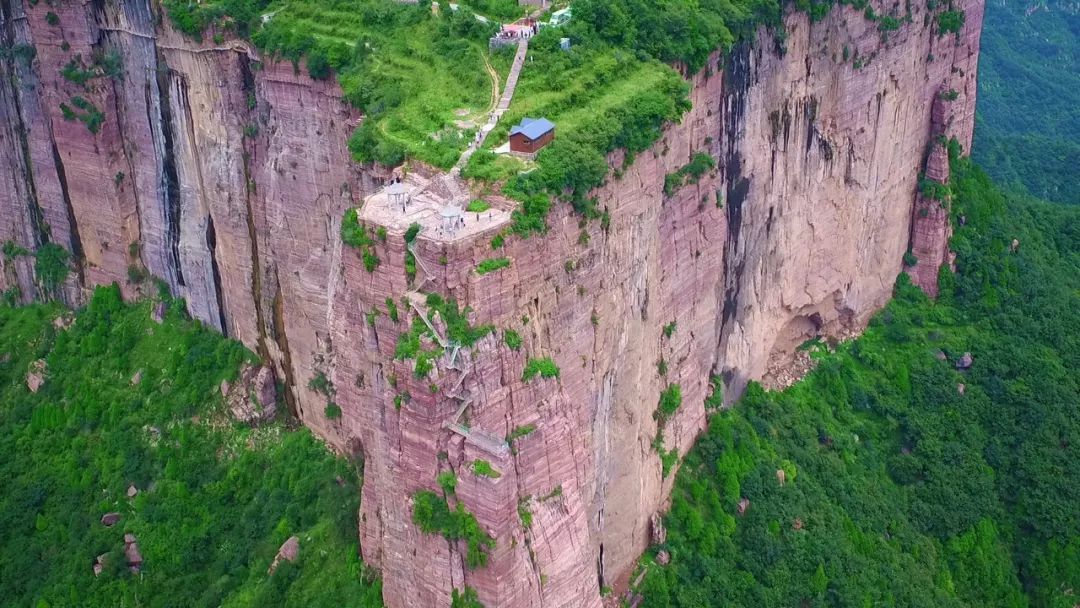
(491, 265)
(544, 367)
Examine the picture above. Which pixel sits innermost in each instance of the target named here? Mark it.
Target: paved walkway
(500, 108)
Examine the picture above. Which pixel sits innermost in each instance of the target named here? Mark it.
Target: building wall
(520, 143)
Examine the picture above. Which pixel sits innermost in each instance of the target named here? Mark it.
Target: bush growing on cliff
(544, 367)
(491, 265)
(512, 339)
(356, 235)
(670, 400)
(483, 468)
(433, 515)
(465, 599)
(700, 164)
(51, 265)
(950, 22)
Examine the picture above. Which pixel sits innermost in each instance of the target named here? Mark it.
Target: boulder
(1015, 245)
(941, 356)
(35, 377)
(657, 533)
(744, 504)
(781, 476)
(131, 552)
(252, 399)
(965, 361)
(158, 313)
(290, 550)
(961, 388)
(109, 519)
(132, 491)
(663, 558)
(137, 378)
(99, 563)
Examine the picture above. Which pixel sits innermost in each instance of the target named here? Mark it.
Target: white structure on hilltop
(397, 196)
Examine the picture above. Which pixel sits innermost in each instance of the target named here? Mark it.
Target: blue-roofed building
(531, 134)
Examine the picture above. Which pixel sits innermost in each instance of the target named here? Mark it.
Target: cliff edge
(226, 174)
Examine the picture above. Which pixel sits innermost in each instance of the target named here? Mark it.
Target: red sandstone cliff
(228, 178)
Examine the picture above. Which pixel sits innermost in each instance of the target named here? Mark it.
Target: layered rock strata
(227, 177)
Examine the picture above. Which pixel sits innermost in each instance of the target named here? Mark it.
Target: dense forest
(130, 402)
(1027, 132)
(892, 475)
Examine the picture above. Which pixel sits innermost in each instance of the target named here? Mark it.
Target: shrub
(332, 411)
(669, 329)
(545, 367)
(491, 265)
(447, 481)
(52, 18)
(392, 309)
(700, 164)
(484, 469)
(520, 432)
(321, 384)
(51, 265)
(512, 339)
(950, 22)
(670, 400)
(432, 515)
(477, 206)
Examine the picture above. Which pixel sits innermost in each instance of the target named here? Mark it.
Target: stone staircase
(500, 108)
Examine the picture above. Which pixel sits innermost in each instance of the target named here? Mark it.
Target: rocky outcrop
(289, 551)
(252, 398)
(226, 174)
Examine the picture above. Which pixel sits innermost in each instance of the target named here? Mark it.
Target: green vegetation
(216, 499)
(332, 411)
(524, 514)
(458, 330)
(12, 250)
(900, 486)
(512, 339)
(89, 115)
(392, 309)
(669, 329)
(484, 469)
(104, 63)
(520, 432)
(950, 22)
(433, 516)
(465, 599)
(545, 367)
(321, 384)
(357, 235)
(1027, 133)
(715, 400)
(700, 164)
(51, 265)
(670, 400)
(491, 265)
(477, 206)
(447, 481)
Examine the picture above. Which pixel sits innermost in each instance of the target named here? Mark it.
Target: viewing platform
(439, 204)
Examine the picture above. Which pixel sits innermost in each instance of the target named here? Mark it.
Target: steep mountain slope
(891, 477)
(227, 174)
(1029, 98)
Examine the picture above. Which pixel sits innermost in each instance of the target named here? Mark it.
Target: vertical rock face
(227, 177)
